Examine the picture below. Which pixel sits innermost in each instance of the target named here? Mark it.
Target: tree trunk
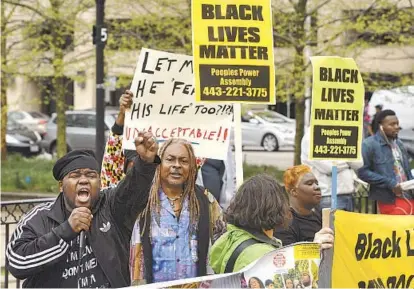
(59, 90)
(299, 73)
(58, 43)
(4, 82)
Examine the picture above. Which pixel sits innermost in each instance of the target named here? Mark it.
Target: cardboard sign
(233, 51)
(337, 109)
(376, 251)
(163, 104)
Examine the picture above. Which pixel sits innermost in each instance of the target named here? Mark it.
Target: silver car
(80, 130)
(407, 137)
(34, 120)
(267, 129)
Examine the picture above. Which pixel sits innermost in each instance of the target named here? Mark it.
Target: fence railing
(12, 212)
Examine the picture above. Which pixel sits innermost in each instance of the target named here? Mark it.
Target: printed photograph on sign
(289, 267)
(164, 104)
(233, 51)
(336, 129)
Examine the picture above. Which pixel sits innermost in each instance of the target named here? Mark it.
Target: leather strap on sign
(236, 253)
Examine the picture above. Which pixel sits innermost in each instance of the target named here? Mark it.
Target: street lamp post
(100, 40)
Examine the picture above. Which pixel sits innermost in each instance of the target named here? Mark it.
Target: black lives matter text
(245, 37)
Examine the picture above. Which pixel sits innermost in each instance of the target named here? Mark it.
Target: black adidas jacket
(41, 238)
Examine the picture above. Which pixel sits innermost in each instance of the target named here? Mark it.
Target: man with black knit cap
(386, 167)
(45, 248)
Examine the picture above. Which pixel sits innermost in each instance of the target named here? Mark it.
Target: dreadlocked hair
(153, 206)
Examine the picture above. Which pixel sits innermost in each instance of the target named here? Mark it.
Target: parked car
(267, 129)
(14, 127)
(21, 144)
(32, 119)
(406, 135)
(80, 130)
(22, 140)
(400, 100)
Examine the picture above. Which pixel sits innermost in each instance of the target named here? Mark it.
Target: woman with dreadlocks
(172, 236)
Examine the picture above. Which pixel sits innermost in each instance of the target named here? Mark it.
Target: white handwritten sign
(164, 104)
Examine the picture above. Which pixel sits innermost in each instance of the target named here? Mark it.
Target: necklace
(172, 200)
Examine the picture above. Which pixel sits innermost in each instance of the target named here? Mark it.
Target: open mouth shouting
(83, 195)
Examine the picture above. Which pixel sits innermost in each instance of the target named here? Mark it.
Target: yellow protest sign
(337, 109)
(233, 51)
(373, 251)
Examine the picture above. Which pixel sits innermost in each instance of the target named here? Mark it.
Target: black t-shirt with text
(91, 274)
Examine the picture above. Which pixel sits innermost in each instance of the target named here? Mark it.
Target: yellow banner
(233, 51)
(337, 109)
(373, 251)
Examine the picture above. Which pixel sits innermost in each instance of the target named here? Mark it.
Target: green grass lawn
(19, 174)
(251, 170)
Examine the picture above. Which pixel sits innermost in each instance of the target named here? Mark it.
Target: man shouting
(45, 248)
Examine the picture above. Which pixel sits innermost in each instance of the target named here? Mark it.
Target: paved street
(282, 159)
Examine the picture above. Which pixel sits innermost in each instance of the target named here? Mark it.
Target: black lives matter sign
(233, 51)
(337, 109)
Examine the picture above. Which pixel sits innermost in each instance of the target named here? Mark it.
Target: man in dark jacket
(386, 167)
(45, 248)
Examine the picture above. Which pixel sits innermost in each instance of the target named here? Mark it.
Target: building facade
(125, 20)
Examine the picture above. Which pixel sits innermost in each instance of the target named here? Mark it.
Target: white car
(400, 100)
(267, 129)
(32, 119)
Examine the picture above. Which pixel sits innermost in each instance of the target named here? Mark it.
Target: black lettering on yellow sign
(233, 34)
(410, 251)
(338, 75)
(233, 52)
(402, 281)
(369, 248)
(336, 114)
(232, 12)
(337, 95)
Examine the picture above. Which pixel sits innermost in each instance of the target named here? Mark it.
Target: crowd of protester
(153, 215)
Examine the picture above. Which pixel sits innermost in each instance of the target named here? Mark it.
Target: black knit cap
(74, 160)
